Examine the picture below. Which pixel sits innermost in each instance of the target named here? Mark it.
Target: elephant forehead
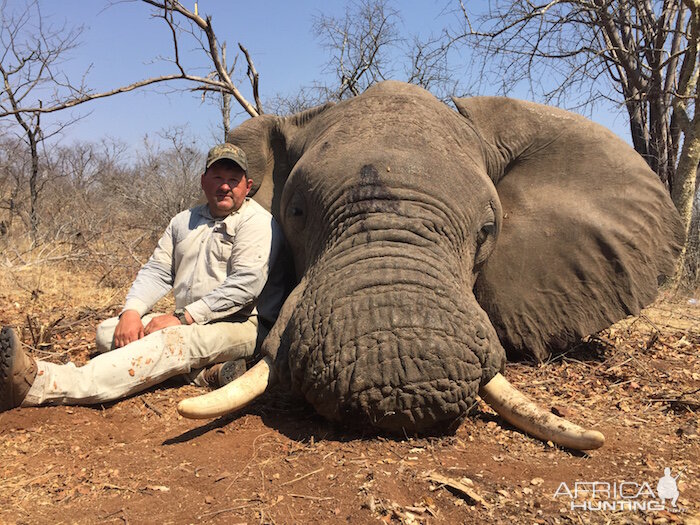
(410, 122)
(389, 144)
(394, 143)
(401, 123)
(387, 171)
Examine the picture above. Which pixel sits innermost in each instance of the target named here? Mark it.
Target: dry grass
(55, 301)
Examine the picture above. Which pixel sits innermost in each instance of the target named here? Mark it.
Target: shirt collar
(204, 212)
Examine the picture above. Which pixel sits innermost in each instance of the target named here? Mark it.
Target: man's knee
(104, 336)
(229, 339)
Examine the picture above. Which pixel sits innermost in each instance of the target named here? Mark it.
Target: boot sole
(231, 370)
(7, 357)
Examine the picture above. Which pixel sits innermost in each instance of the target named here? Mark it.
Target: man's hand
(160, 322)
(129, 329)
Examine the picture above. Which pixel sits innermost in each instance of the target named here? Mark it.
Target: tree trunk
(33, 188)
(683, 194)
(225, 99)
(226, 113)
(640, 139)
(691, 273)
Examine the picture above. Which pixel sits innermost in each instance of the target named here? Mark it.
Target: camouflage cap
(227, 151)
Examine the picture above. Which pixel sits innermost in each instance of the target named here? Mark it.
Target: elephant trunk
(390, 337)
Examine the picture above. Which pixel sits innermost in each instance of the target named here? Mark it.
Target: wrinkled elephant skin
(429, 243)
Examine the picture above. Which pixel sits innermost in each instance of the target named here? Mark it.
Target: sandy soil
(137, 461)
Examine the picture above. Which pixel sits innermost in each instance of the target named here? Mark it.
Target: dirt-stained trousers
(120, 372)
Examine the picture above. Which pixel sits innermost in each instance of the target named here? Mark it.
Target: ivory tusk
(233, 396)
(254, 382)
(522, 413)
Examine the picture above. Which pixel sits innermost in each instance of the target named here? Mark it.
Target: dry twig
(301, 477)
(460, 487)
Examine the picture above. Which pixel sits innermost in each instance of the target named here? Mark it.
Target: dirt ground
(137, 461)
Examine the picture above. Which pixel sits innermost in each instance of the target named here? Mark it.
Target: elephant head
(429, 243)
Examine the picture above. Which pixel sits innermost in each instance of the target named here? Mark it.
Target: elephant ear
(265, 140)
(588, 231)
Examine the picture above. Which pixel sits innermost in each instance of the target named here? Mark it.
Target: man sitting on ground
(216, 258)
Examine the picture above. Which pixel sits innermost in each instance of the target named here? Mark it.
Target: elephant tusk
(233, 396)
(239, 392)
(522, 413)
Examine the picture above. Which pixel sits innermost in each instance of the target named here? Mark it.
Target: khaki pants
(118, 373)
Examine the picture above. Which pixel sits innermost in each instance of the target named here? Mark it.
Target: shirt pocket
(223, 247)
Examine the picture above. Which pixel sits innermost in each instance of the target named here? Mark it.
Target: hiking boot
(17, 371)
(223, 373)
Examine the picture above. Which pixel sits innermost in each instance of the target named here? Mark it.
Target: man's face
(226, 187)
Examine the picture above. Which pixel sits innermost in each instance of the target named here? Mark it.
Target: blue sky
(121, 44)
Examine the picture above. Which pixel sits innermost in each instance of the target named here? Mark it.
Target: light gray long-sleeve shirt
(216, 267)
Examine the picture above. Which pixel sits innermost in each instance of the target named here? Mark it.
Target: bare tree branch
(219, 82)
(581, 51)
(254, 79)
(33, 82)
(359, 43)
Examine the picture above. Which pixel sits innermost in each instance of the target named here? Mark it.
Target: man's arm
(154, 280)
(257, 244)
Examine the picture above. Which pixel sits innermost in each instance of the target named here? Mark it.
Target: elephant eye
(296, 212)
(485, 232)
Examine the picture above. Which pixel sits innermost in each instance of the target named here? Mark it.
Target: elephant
(430, 244)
